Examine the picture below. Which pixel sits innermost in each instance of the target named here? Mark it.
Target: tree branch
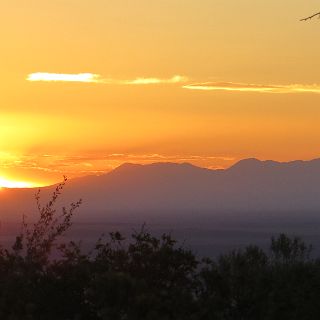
(311, 17)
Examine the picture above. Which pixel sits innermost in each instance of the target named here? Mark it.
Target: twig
(310, 17)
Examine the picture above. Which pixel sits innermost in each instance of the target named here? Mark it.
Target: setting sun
(5, 183)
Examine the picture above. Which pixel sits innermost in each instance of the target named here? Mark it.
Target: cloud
(65, 77)
(96, 78)
(174, 79)
(242, 87)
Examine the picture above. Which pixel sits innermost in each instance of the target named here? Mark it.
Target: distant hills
(251, 189)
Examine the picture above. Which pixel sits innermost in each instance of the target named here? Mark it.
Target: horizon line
(33, 186)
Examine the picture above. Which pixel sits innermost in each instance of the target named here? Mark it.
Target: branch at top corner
(311, 17)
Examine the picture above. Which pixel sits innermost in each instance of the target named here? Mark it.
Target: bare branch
(36, 242)
(311, 17)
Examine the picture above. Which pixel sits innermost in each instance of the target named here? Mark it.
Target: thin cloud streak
(241, 87)
(174, 79)
(96, 78)
(64, 77)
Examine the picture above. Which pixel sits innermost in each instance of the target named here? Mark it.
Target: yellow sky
(88, 84)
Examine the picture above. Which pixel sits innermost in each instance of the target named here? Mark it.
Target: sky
(87, 85)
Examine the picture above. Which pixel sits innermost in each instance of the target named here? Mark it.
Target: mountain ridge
(250, 188)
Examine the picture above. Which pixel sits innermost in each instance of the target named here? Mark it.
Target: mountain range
(249, 190)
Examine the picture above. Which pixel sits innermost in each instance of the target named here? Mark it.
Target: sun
(5, 183)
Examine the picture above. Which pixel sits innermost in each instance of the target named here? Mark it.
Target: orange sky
(207, 82)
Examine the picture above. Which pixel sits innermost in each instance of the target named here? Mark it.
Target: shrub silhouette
(148, 277)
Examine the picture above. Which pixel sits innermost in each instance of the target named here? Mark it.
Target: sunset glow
(4, 183)
(155, 82)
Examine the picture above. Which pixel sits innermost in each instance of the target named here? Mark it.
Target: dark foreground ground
(158, 272)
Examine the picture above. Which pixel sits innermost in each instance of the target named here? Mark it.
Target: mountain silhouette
(162, 191)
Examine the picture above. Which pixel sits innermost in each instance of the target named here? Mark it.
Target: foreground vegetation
(146, 277)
